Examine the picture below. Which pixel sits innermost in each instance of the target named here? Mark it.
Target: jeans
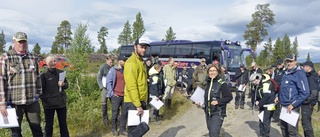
(32, 112)
(62, 118)
(117, 102)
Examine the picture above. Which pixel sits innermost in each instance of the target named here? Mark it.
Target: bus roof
(183, 42)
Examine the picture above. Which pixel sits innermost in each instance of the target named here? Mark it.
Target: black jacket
(268, 96)
(51, 96)
(278, 74)
(242, 78)
(223, 95)
(313, 86)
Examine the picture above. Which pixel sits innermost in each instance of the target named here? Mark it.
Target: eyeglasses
(212, 70)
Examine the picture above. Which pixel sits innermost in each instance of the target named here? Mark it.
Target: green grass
(315, 122)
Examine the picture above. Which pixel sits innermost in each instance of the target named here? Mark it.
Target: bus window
(167, 51)
(155, 50)
(126, 51)
(201, 50)
(183, 50)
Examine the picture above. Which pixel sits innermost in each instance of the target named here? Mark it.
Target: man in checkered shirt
(20, 85)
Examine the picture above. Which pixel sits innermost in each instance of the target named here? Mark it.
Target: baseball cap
(20, 36)
(255, 76)
(308, 63)
(253, 64)
(202, 59)
(142, 42)
(291, 57)
(122, 58)
(241, 65)
(279, 61)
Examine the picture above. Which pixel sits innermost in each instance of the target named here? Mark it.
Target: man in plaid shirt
(20, 85)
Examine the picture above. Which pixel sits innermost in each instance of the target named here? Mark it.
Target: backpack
(276, 85)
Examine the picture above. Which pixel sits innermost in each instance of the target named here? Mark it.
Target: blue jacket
(294, 87)
(111, 80)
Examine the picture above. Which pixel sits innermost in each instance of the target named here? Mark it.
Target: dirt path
(238, 123)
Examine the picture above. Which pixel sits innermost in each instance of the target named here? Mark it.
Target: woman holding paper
(54, 97)
(216, 97)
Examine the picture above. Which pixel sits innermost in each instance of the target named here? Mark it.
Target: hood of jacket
(153, 71)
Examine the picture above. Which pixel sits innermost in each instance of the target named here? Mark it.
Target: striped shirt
(20, 82)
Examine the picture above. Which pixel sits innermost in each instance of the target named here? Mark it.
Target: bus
(185, 52)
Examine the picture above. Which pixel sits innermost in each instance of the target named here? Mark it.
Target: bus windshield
(236, 58)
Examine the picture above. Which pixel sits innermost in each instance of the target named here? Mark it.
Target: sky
(189, 19)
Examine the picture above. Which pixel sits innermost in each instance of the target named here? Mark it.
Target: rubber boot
(104, 110)
(169, 103)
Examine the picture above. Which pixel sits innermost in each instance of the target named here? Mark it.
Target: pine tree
(308, 57)
(2, 42)
(36, 49)
(102, 35)
(278, 51)
(257, 28)
(125, 36)
(54, 48)
(295, 47)
(63, 37)
(170, 34)
(138, 28)
(286, 43)
(10, 47)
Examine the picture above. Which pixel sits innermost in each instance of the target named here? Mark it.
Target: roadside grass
(315, 123)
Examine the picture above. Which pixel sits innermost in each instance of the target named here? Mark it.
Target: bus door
(216, 54)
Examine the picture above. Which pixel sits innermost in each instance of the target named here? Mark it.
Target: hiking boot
(242, 107)
(124, 133)
(115, 133)
(250, 108)
(157, 118)
(237, 107)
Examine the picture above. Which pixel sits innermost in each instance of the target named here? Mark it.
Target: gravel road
(238, 123)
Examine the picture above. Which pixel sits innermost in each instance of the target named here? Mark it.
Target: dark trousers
(32, 112)
(62, 118)
(117, 102)
(288, 130)
(104, 105)
(306, 111)
(265, 125)
(253, 97)
(214, 124)
(129, 106)
(276, 113)
(240, 98)
(189, 86)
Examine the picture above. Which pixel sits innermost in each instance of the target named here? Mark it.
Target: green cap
(20, 36)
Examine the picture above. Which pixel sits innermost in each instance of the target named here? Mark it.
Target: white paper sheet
(134, 119)
(165, 82)
(104, 81)
(242, 88)
(290, 118)
(156, 103)
(11, 120)
(198, 96)
(62, 76)
(261, 116)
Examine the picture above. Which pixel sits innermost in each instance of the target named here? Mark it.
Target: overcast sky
(190, 20)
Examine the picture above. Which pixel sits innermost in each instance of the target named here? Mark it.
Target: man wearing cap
(254, 69)
(115, 87)
(311, 101)
(200, 74)
(277, 76)
(135, 77)
(20, 85)
(242, 80)
(102, 74)
(294, 90)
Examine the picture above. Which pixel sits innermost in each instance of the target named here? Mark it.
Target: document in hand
(156, 103)
(62, 76)
(261, 116)
(134, 119)
(10, 120)
(198, 96)
(242, 88)
(104, 81)
(290, 118)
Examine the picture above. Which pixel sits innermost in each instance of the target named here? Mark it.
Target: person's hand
(3, 110)
(60, 83)
(257, 103)
(290, 107)
(276, 100)
(215, 102)
(140, 111)
(157, 98)
(198, 104)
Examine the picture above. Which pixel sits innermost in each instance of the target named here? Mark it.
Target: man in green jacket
(170, 76)
(135, 76)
